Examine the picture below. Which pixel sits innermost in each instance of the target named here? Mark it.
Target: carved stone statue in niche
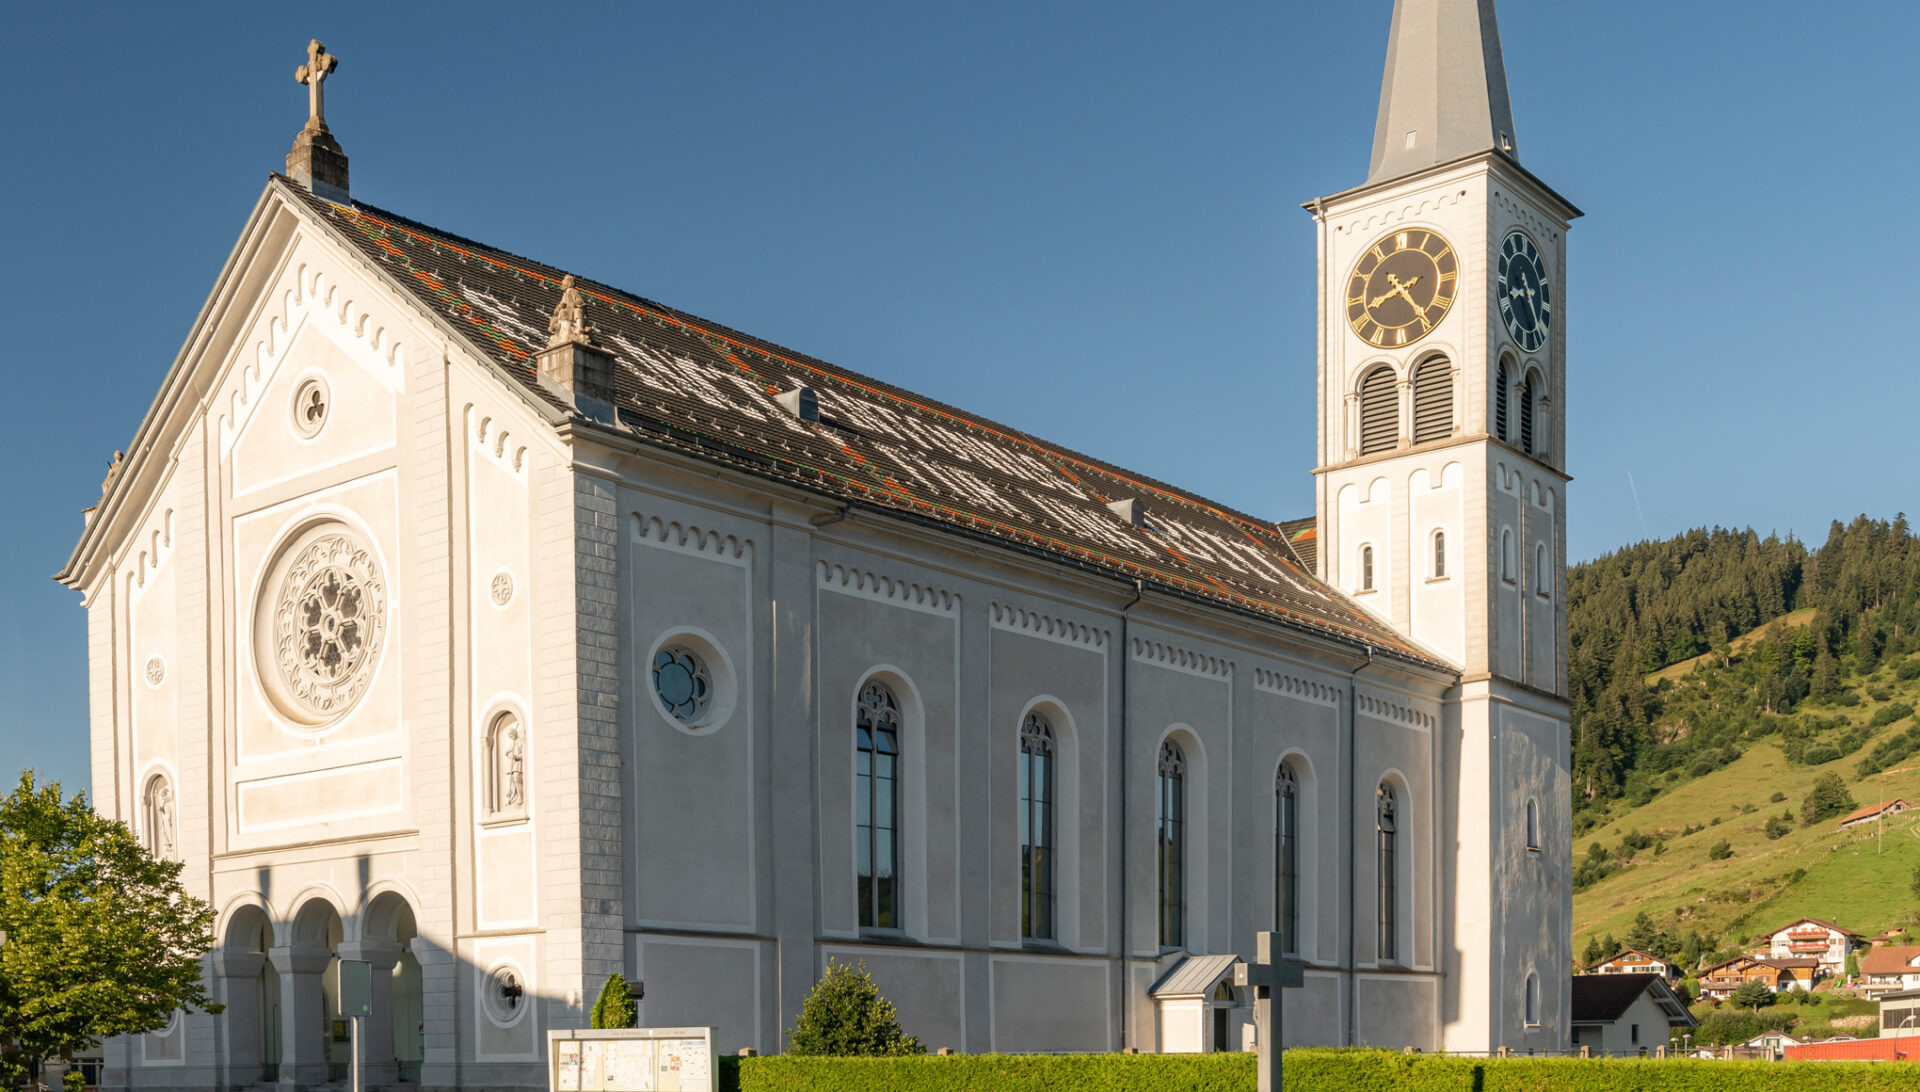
(504, 778)
(160, 831)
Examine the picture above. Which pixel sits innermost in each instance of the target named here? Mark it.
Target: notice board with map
(630, 1060)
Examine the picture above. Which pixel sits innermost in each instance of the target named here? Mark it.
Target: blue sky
(1081, 220)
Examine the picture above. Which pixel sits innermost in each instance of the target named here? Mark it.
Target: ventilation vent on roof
(801, 402)
(1129, 510)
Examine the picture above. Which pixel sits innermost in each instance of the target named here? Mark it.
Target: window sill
(502, 821)
(1042, 944)
(1367, 591)
(1438, 579)
(1533, 849)
(870, 935)
(1509, 582)
(1534, 1026)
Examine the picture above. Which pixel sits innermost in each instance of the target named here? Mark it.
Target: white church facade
(508, 630)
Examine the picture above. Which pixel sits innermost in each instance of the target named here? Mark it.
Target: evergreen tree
(1752, 995)
(614, 1008)
(100, 938)
(1827, 798)
(846, 1016)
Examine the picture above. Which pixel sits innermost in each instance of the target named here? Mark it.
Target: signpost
(356, 1001)
(1267, 975)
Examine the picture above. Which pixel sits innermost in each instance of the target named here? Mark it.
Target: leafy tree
(846, 1016)
(614, 1008)
(1827, 798)
(1752, 995)
(100, 937)
(1779, 827)
(1721, 850)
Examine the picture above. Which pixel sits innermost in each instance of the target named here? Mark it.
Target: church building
(506, 630)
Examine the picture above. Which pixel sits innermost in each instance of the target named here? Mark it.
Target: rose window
(327, 623)
(681, 681)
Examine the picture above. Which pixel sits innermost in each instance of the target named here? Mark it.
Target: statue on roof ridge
(569, 321)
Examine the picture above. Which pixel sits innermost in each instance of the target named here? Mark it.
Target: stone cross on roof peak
(320, 64)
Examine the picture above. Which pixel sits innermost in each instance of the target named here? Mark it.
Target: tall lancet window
(1388, 824)
(1439, 555)
(1502, 380)
(1286, 858)
(1172, 845)
(157, 807)
(505, 773)
(1366, 568)
(1433, 401)
(1529, 395)
(876, 806)
(1036, 828)
(1379, 412)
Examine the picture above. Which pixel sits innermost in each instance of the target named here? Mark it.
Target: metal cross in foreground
(314, 73)
(1267, 975)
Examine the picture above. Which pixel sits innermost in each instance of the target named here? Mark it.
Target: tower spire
(1445, 91)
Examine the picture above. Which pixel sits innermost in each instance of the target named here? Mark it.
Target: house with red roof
(1874, 811)
(1814, 938)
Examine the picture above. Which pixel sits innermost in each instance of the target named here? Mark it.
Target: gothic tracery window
(1171, 842)
(876, 806)
(1036, 828)
(1388, 828)
(1286, 857)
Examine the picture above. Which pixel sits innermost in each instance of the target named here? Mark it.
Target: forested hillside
(1836, 614)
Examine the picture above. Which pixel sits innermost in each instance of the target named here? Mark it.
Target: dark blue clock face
(1526, 297)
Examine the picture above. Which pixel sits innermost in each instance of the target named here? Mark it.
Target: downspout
(1353, 845)
(1126, 890)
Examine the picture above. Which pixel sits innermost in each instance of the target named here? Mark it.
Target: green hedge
(1316, 1070)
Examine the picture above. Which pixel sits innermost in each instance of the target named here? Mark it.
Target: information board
(631, 1060)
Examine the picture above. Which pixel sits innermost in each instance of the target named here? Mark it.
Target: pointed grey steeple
(1445, 91)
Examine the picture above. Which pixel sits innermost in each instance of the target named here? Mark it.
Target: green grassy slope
(1851, 877)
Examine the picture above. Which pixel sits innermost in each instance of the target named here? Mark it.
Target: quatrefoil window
(311, 405)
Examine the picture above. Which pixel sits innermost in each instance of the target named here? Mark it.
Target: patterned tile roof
(695, 386)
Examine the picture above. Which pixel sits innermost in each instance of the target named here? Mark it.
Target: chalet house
(1625, 1013)
(1812, 938)
(1635, 961)
(1890, 970)
(1718, 982)
(1874, 811)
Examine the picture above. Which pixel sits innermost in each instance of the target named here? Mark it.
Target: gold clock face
(1402, 288)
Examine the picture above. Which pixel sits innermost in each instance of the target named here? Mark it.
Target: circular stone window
(321, 620)
(311, 404)
(693, 681)
(505, 994)
(681, 680)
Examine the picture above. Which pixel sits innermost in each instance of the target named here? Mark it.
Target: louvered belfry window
(1379, 412)
(1433, 401)
(1500, 383)
(1528, 396)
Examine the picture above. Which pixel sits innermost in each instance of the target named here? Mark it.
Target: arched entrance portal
(393, 1039)
(250, 988)
(308, 1053)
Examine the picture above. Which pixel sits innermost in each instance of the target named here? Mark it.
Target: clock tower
(1441, 488)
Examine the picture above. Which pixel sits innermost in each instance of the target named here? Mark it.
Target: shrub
(1880, 693)
(1908, 670)
(615, 1008)
(1846, 697)
(1752, 995)
(1776, 798)
(845, 1016)
(1778, 828)
(1720, 851)
(1887, 715)
(1820, 754)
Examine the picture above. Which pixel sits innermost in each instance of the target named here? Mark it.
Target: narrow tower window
(1379, 412)
(1389, 893)
(1542, 578)
(1533, 825)
(1529, 394)
(1286, 858)
(876, 800)
(1507, 560)
(1500, 384)
(1172, 845)
(1366, 568)
(1433, 401)
(1533, 1000)
(1439, 555)
(1036, 828)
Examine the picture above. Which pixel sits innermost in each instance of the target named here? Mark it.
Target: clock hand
(1398, 289)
